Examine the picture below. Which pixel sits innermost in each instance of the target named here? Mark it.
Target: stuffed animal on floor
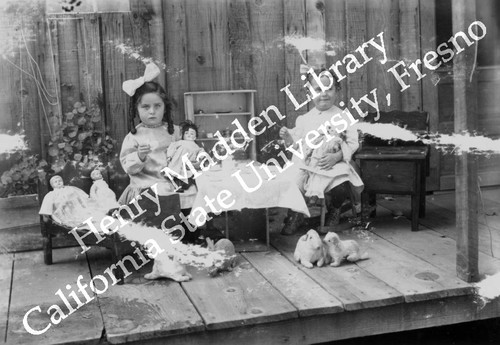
(165, 267)
(339, 250)
(170, 255)
(227, 248)
(310, 250)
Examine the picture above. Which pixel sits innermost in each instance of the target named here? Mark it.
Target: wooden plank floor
(408, 282)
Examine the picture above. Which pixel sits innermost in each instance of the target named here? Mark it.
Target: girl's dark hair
(319, 70)
(186, 125)
(150, 87)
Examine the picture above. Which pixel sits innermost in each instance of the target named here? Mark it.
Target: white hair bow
(130, 86)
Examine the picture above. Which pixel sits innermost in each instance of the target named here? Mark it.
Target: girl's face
(190, 134)
(151, 109)
(326, 99)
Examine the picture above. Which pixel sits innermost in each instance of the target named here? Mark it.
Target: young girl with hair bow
(143, 152)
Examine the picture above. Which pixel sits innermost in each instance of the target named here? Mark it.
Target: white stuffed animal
(165, 267)
(339, 250)
(310, 249)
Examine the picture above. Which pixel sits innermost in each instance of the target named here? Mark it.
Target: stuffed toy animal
(310, 250)
(340, 250)
(165, 267)
(227, 248)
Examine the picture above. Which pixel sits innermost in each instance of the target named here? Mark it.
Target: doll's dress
(103, 196)
(177, 150)
(70, 206)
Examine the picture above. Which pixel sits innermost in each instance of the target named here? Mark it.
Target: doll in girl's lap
(318, 179)
(184, 147)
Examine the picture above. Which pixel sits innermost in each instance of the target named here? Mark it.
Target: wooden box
(215, 111)
(248, 229)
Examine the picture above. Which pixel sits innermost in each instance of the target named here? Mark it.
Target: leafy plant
(22, 177)
(80, 139)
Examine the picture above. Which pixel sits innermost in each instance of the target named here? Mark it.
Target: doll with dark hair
(184, 149)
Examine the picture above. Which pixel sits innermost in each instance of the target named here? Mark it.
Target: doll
(66, 205)
(177, 150)
(318, 180)
(100, 192)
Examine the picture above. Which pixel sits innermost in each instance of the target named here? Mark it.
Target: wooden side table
(395, 170)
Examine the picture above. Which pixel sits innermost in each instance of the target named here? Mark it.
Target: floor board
(35, 284)
(354, 287)
(237, 298)
(304, 293)
(442, 252)
(6, 261)
(142, 309)
(442, 220)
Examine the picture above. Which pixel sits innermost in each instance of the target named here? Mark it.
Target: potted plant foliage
(78, 145)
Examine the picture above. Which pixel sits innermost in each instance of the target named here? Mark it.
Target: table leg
(415, 203)
(267, 228)
(422, 191)
(227, 225)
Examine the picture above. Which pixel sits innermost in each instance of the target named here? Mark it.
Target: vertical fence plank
(8, 72)
(355, 13)
(335, 35)
(28, 92)
(48, 60)
(409, 51)
(148, 15)
(36, 88)
(174, 19)
(89, 57)
(136, 39)
(208, 45)
(315, 28)
(116, 100)
(294, 24)
(383, 16)
(240, 45)
(69, 66)
(266, 21)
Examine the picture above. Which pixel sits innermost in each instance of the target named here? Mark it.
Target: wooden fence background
(214, 45)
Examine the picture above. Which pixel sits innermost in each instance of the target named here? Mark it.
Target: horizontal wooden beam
(344, 325)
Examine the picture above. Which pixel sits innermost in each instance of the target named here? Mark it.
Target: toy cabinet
(214, 111)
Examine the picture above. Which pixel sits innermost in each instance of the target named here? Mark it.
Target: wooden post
(466, 184)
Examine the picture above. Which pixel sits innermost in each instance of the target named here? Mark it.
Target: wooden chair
(51, 229)
(324, 210)
(396, 167)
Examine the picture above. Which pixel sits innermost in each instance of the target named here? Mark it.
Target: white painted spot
(489, 288)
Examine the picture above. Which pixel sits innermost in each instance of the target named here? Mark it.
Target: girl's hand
(143, 151)
(329, 160)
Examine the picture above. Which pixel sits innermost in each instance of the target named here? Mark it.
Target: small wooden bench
(51, 229)
(396, 167)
